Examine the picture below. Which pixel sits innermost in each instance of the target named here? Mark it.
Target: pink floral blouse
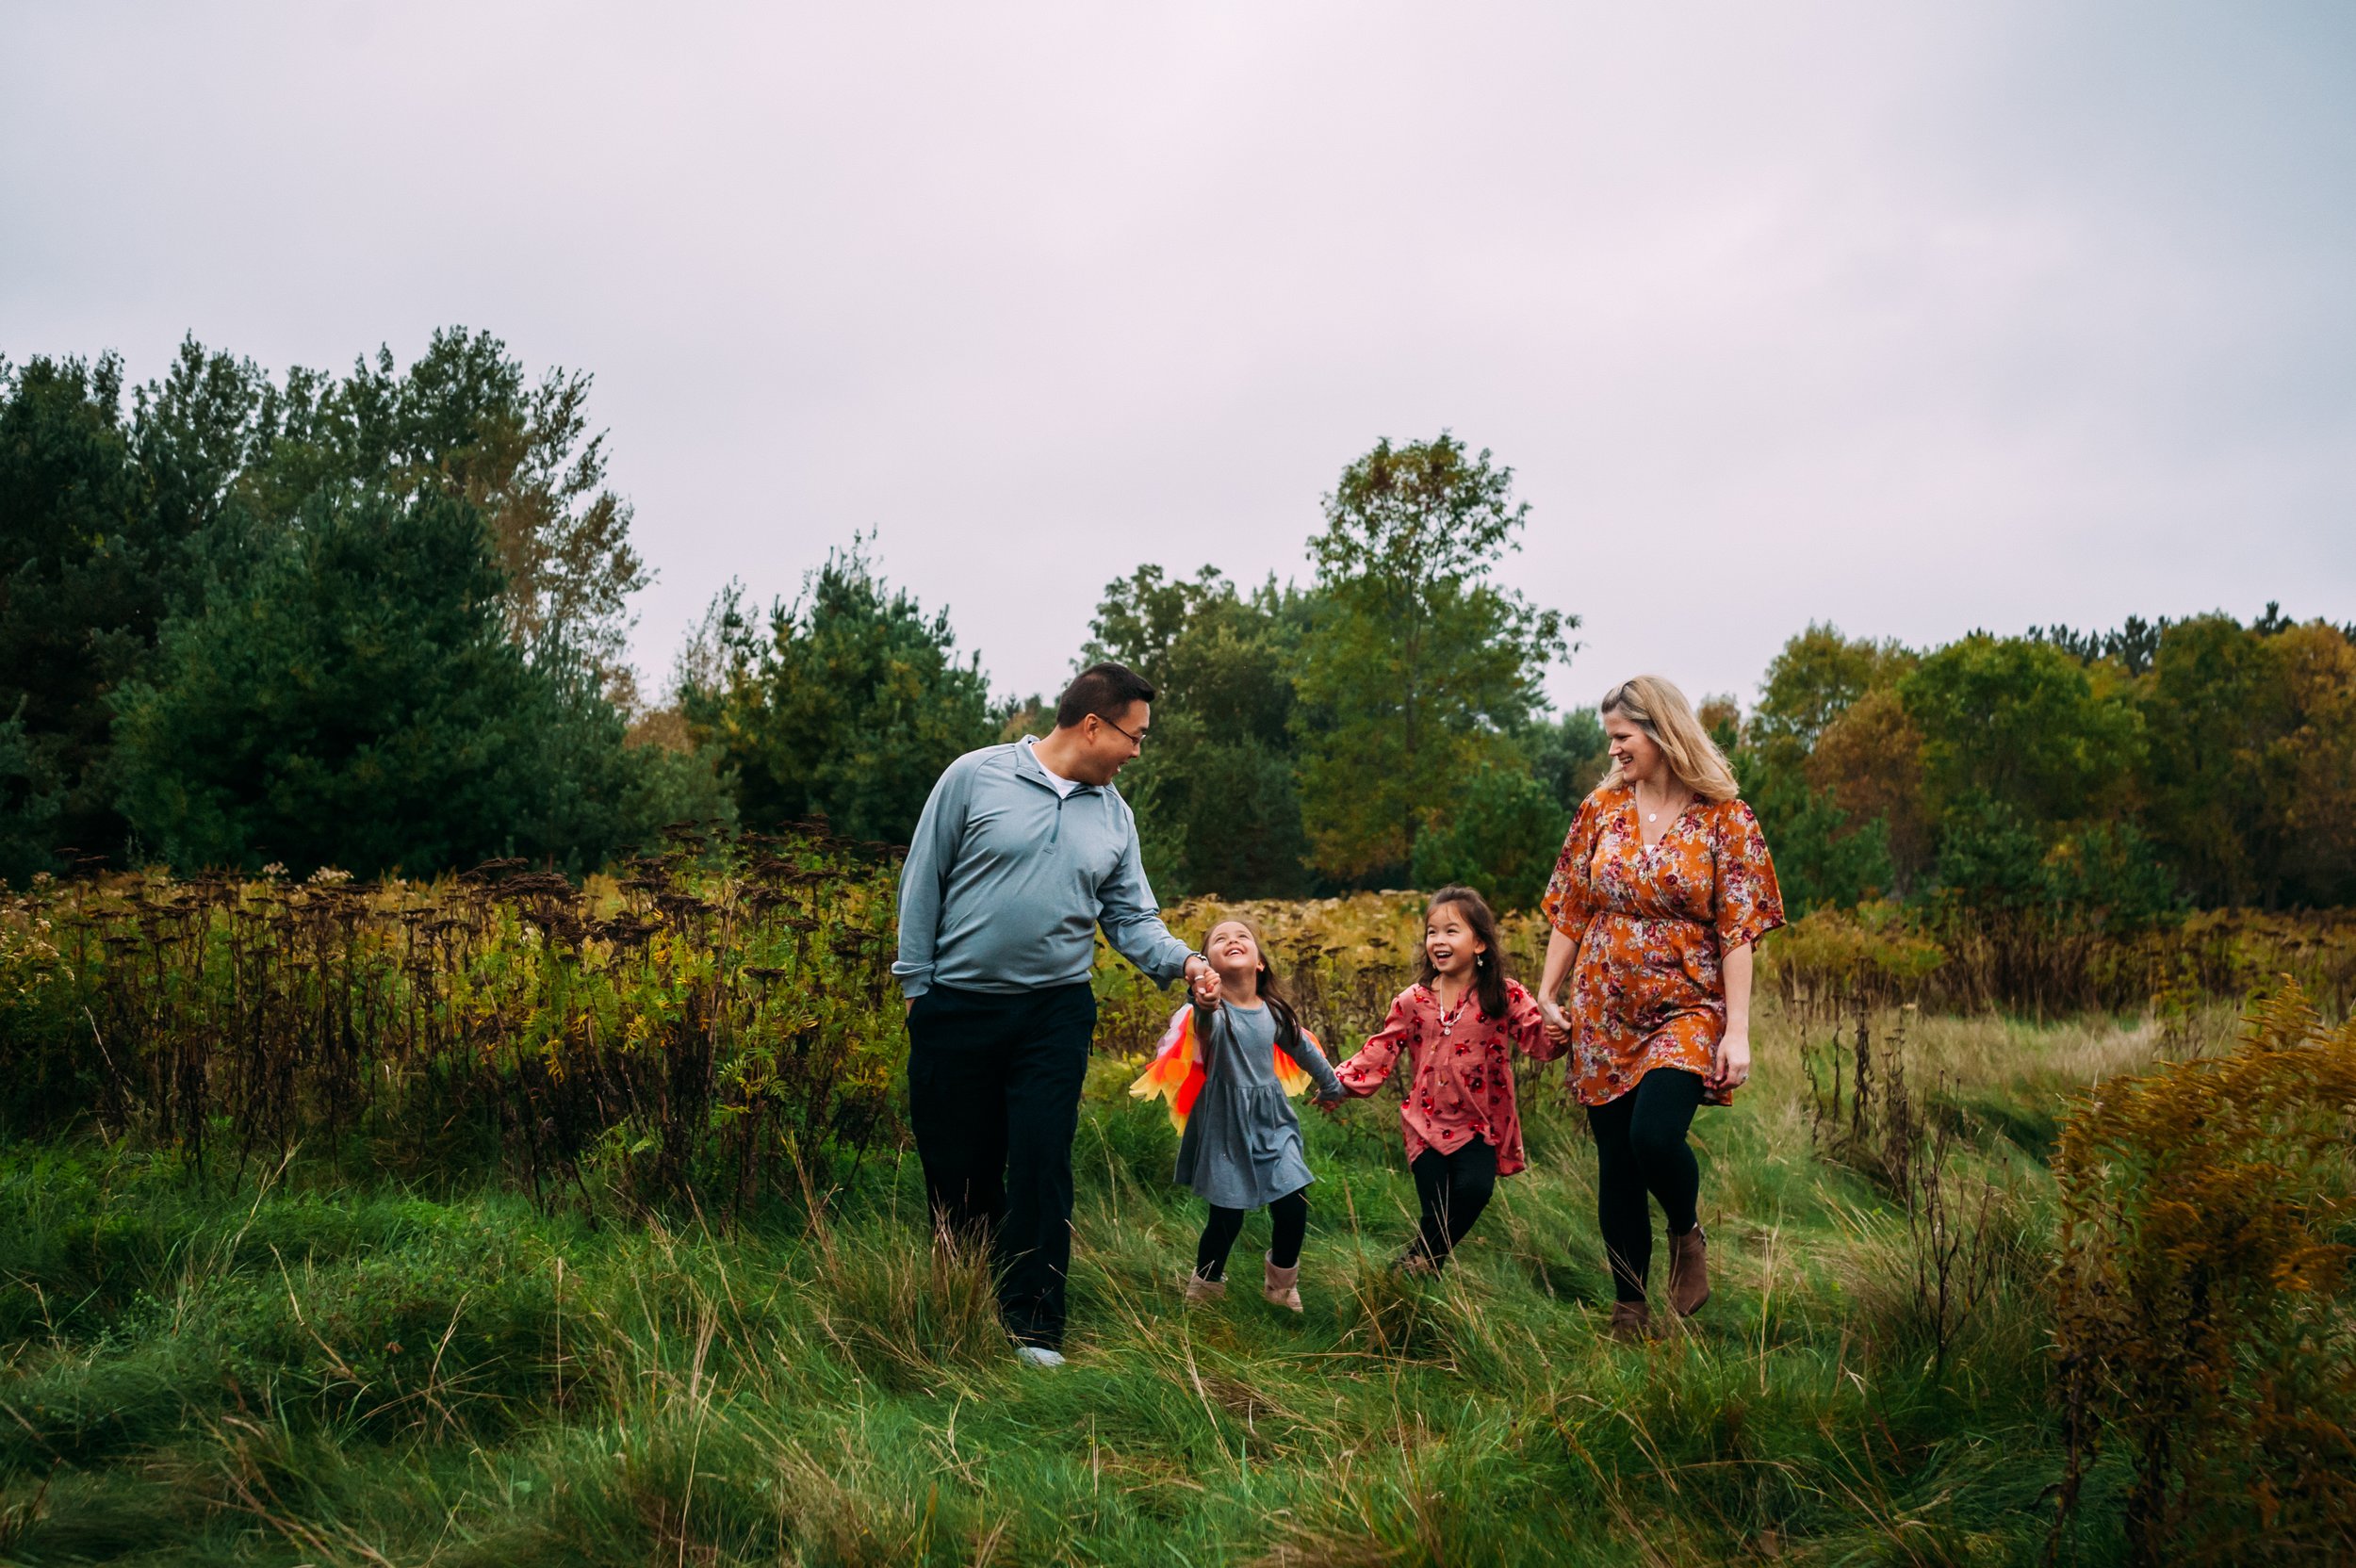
(1463, 1086)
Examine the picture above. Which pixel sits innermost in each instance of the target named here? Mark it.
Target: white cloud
(1911, 320)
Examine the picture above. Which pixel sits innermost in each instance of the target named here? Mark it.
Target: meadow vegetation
(412, 1223)
(361, 1207)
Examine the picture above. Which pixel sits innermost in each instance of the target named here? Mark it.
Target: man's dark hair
(1104, 690)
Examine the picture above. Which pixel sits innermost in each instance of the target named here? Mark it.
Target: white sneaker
(1039, 1355)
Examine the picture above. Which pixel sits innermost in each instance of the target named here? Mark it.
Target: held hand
(1203, 979)
(1733, 1065)
(1558, 1021)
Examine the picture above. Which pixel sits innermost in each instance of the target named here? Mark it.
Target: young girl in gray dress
(1225, 1071)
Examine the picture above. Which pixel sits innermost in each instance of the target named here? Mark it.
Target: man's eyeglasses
(1137, 740)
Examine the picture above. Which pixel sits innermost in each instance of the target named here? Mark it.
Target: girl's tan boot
(1201, 1292)
(1282, 1287)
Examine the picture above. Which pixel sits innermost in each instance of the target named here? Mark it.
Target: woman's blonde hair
(1659, 710)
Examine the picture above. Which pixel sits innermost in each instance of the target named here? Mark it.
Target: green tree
(846, 703)
(1569, 756)
(356, 702)
(1867, 764)
(2024, 723)
(1826, 856)
(31, 798)
(1812, 680)
(1991, 857)
(466, 420)
(2213, 707)
(87, 576)
(1416, 667)
(2252, 776)
(1501, 833)
(109, 526)
(1219, 808)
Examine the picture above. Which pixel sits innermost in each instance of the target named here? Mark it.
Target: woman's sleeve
(1568, 906)
(1365, 1072)
(1526, 1026)
(1750, 904)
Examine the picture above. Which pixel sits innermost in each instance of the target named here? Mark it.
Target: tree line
(2198, 762)
(372, 620)
(377, 621)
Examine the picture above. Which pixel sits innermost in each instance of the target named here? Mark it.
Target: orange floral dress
(1651, 926)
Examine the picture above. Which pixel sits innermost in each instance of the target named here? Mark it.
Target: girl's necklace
(1449, 1015)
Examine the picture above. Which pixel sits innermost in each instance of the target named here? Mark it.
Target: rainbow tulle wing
(1292, 1073)
(1176, 1074)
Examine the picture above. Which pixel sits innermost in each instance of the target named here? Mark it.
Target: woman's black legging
(1289, 1221)
(1453, 1189)
(1640, 1147)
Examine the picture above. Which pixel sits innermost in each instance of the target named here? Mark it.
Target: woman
(1664, 887)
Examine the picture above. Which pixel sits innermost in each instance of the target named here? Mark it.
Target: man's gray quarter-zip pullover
(1005, 882)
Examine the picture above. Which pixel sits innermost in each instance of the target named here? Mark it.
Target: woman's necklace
(1654, 815)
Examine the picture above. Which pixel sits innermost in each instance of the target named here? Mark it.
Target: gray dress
(1241, 1148)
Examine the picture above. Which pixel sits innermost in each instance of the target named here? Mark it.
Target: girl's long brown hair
(1489, 975)
(1271, 990)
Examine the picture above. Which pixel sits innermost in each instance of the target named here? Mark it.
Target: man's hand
(1201, 978)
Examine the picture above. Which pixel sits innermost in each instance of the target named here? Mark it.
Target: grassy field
(501, 1220)
(314, 1368)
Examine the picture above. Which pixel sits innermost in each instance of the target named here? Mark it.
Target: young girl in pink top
(1460, 1025)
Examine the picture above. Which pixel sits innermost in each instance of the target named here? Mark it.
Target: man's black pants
(994, 1096)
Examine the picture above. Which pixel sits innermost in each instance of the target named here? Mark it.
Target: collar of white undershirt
(1063, 786)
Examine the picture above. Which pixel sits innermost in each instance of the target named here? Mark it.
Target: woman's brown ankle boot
(1630, 1320)
(1688, 1272)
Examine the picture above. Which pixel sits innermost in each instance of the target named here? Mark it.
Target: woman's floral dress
(1462, 1063)
(1651, 926)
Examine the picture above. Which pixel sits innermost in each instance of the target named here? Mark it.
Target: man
(1022, 851)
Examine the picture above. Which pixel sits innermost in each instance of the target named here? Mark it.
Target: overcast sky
(1911, 318)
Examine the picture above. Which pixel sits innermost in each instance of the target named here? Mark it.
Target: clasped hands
(1201, 979)
(1558, 1021)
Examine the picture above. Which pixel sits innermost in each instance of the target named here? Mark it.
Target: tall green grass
(309, 1370)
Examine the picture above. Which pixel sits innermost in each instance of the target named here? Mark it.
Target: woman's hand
(1558, 1021)
(1733, 1065)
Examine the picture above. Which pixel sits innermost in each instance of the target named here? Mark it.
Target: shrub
(2205, 1295)
(1833, 958)
(721, 1021)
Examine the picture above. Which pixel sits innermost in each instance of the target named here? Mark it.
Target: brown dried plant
(2206, 1310)
(691, 1031)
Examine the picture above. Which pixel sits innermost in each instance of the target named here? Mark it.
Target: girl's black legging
(1453, 1188)
(1640, 1147)
(1289, 1221)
